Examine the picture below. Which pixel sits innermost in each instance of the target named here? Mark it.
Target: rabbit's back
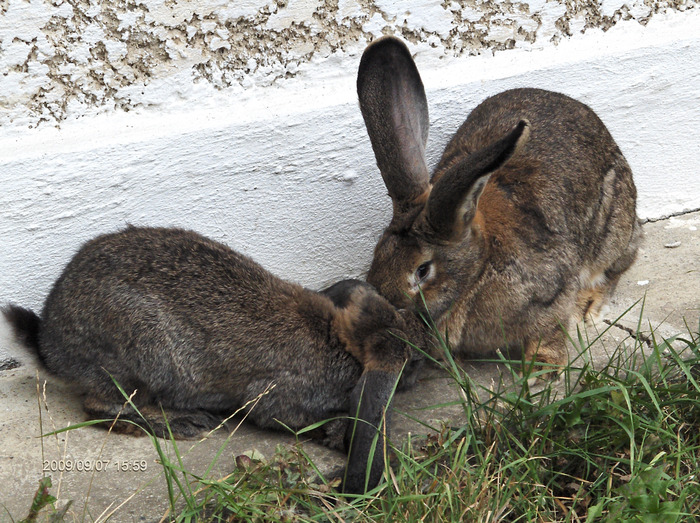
(558, 218)
(188, 322)
(570, 172)
(570, 189)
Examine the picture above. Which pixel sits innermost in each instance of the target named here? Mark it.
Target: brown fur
(589, 302)
(362, 327)
(199, 331)
(530, 198)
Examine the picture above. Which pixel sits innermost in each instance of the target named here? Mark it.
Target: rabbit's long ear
(393, 105)
(453, 199)
(368, 424)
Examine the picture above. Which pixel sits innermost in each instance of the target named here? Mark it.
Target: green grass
(618, 443)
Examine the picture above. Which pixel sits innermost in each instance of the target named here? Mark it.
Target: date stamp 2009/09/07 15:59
(94, 465)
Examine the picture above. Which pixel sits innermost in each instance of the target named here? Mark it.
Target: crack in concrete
(671, 215)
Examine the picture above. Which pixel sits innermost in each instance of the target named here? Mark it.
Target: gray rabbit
(199, 330)
(528, 220)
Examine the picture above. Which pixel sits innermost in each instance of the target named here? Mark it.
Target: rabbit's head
(380, 336)
(433, 245)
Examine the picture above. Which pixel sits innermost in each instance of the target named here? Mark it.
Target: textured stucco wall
(239, 119)
(67, 58)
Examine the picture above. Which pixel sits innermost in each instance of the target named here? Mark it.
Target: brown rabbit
(199, 330)
(527, 221)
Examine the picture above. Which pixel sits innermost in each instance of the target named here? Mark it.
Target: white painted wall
(239, 119)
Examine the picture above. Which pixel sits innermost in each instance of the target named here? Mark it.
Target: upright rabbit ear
(452, 203)
(393, 105)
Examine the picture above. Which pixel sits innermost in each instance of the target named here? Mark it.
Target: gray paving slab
(661, 293)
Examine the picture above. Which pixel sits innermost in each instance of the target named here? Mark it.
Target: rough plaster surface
(67, 58)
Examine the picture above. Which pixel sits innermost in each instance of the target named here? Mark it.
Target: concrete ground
(664, 282)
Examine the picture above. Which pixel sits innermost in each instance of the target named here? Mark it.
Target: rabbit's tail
(19, 334)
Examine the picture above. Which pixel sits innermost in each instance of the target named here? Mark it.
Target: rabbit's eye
(423, 271)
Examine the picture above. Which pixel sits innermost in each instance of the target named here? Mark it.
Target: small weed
(42, 499)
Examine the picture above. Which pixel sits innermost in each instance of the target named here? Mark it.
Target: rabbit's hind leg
(182, 424)
(597, 287)
(127, 419)
(548, 355)
(591, 302)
